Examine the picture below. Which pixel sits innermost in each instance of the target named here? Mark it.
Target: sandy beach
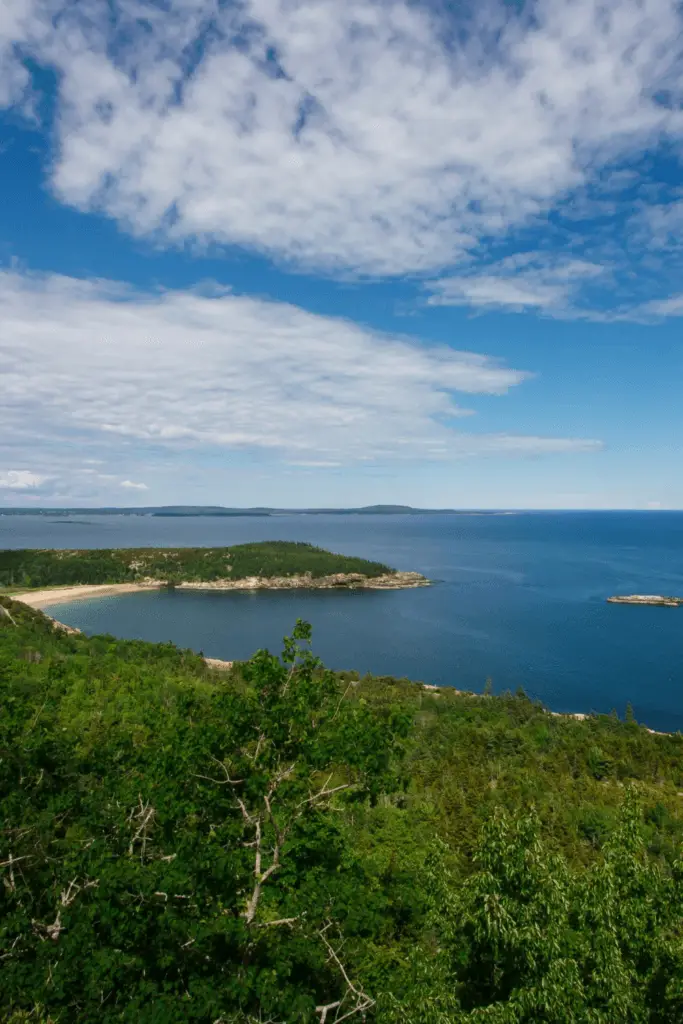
(44, 598)
(57, 595)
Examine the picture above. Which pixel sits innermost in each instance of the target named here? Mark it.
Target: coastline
(41, 599)
(353, 581)
(580, 716)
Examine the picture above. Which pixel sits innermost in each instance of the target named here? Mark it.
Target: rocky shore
(350, 581)
(346, 580)
(656, 599)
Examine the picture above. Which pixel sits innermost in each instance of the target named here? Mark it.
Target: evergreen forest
(62, 567)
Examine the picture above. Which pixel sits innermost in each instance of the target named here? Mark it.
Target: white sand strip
(59, 595)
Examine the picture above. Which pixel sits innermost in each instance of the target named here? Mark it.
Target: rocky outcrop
(340, 580)
(657, 599)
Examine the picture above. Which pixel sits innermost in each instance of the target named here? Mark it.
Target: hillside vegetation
(285, 844)
(44, 568)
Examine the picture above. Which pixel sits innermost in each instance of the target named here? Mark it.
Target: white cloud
(19, 21)
(671, 306)
(133, 486)
(92, 368)
(354, 137)
(532, 281)
(20, 480)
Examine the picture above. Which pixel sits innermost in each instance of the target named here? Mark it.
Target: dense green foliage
(284, 844)
(44, 568)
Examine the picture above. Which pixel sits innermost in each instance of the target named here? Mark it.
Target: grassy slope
(42, 568)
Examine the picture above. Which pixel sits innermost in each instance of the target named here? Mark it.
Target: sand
(58, 595)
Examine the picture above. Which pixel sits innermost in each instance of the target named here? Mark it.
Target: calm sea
(519, 598)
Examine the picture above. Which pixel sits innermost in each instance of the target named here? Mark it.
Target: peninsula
(53, 575)
(656, 599)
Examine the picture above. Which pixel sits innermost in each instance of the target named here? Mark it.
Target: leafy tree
(288, 844)
(202, 873)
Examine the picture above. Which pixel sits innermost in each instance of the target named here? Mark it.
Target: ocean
(519, 599)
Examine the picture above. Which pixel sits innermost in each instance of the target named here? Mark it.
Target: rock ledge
(339, 580)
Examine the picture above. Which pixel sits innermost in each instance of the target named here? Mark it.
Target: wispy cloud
(94, 368)
(373, 136)
(130, 485)
(659, 308)
(538, 281)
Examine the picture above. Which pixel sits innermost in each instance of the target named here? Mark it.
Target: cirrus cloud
(97, 368)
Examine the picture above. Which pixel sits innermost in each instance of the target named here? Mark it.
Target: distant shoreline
(189, 511)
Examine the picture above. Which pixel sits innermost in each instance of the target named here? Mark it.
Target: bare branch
(324, 1010)
(4, 956)
(324, 792)
(290, 676)
(363, 1001)
(259, 744)
(10, 862)
(6, 612)
(67, 896)
(245, 813)
(341, 701)
(260, 876)
(227, 781)
(280, 920)
(145, 818)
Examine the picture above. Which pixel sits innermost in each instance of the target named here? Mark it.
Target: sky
(312, 253)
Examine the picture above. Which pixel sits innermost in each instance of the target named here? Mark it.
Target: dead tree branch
(145, 823)
(354, 997)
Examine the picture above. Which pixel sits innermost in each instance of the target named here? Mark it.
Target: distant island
(656, 599)
(219, 510)
(272, 565)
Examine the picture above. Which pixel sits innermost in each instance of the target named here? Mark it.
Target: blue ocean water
(520, 598)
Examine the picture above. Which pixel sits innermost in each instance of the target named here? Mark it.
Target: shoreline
(40, 599)
(579, 716)
(78, 592)
(46, 596)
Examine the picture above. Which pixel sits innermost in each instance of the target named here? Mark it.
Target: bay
(519, 598)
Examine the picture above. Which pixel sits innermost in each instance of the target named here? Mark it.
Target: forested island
(267, 564)
(282, 843)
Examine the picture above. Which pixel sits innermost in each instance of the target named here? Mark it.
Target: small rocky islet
(648, 599)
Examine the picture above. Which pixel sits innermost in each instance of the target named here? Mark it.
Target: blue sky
(298, 252)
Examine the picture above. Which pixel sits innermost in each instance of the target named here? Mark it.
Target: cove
(520, 599)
